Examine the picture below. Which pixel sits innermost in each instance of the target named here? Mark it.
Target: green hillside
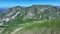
(33, 27)
(45, 27)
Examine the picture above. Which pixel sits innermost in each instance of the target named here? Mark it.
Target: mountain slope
(35, 27)
(45, 27)
(16, 18)
(34, 12)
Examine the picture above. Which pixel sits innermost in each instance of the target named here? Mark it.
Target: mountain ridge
(34, 12)
(30, 19)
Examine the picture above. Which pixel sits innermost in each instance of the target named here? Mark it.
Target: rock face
(34, 12)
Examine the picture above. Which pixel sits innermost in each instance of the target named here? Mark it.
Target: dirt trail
(2, 29)
(16, 30)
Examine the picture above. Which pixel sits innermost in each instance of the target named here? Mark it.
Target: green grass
(32, 26)
(54, 25)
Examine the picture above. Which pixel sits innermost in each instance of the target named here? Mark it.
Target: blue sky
(11, 3)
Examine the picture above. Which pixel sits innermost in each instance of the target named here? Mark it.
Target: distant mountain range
(2, 9)
(58, 7)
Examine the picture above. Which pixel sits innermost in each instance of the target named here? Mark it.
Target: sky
(25, 3)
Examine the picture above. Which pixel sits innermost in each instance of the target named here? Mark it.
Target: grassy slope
(52, 26)
(32, 26)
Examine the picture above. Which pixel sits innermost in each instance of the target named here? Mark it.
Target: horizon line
(29, 5)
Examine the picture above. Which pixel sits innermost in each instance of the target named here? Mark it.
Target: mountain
(58, 7)
(35, 27)
(16, 17)
(34, 12)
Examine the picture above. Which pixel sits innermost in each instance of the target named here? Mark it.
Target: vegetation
(36, 19)
(47, 26)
